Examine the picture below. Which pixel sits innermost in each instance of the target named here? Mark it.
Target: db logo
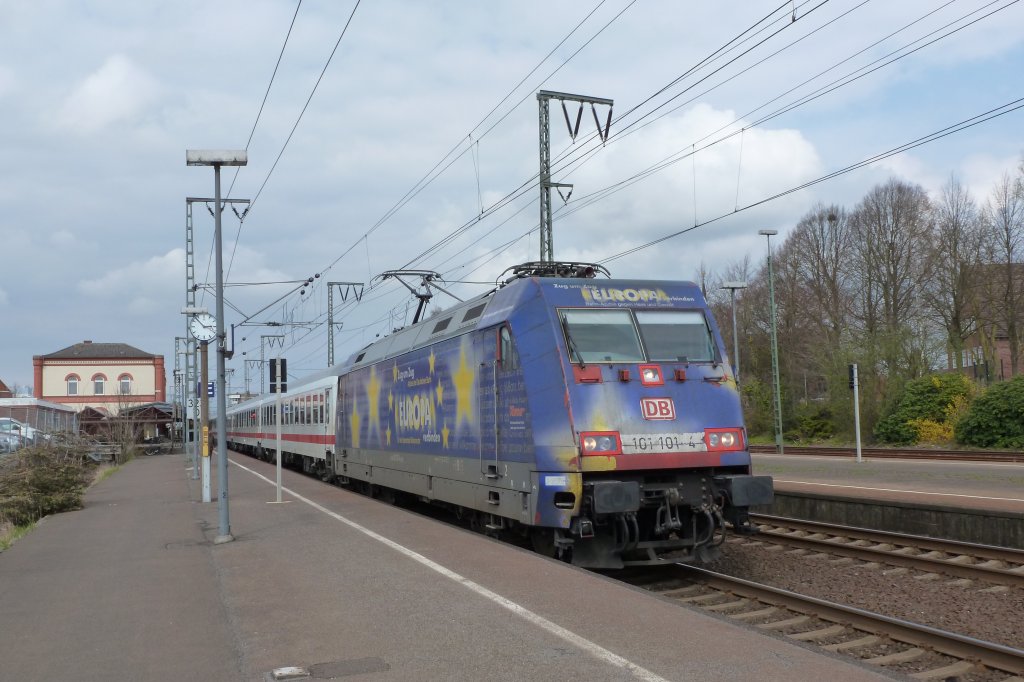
(658, 408)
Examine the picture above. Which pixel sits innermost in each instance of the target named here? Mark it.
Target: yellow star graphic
(464, 381)
(373, 396)
(432, 359)
(391, 401)
(444, 435)
(388, 435)
(354, 423)
(394, 373)
(440, 393)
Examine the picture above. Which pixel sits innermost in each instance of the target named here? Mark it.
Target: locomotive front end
(656, 414)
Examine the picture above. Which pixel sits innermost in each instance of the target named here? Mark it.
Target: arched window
(98, 380)
(72, 382)
(124, 384)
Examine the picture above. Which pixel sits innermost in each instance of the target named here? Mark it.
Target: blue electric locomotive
(596, 417)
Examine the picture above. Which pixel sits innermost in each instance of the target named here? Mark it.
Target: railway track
(896, 453)
(920, 651)
(982, 563)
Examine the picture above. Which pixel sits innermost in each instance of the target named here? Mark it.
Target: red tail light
(723, 440)
(600, 443)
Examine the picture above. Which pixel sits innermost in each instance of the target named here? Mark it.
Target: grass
(106, 473)
(11, 534)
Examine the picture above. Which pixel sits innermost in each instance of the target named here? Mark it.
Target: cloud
(63, 238)
(135, 281)
(3, 297)
(117, 92)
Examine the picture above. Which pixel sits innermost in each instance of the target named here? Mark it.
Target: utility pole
(732, 287)
(204, 416)
(344, 288)
(775, 344)
(547, 249)
(278, 386)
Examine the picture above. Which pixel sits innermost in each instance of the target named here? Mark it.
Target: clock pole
(204, 416)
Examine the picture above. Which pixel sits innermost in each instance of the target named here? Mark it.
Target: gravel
(980, 610)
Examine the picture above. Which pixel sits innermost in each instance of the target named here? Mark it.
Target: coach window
(72, 381)
(97, 384)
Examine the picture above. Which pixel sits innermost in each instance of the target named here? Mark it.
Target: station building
(106, 377)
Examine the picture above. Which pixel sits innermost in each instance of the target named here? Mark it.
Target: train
(596, 419)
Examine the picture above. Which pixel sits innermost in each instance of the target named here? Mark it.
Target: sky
(412, 142)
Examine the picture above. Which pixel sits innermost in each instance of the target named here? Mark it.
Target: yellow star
(373, 397)
(440, 392)
(432, 359)
(391, 401)
(388, 434)
(394, 373)
(444, 435)
(354, 422)
(464, 381)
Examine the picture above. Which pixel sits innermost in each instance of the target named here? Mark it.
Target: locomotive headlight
(600, 443)
(724, 439)
(650, 375)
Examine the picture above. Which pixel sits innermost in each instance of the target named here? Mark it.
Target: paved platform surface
(969, 485)
(132, 588)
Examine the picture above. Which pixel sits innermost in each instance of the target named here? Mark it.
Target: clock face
(203, 327)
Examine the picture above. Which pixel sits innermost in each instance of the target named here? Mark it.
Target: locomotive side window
(601, 336)
(674, 335)
(507, 355)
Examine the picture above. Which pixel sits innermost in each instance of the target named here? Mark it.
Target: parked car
(21, 433)
(8, 442)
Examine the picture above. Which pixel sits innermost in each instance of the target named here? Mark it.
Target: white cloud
(7, 81)
(118, 91)
(134, 281)
(63, 238)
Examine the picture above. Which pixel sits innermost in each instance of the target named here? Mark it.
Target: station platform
(343, 586)
(975, 502)
(995, 487)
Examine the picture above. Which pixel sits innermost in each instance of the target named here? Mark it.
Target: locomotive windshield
(611, 336)
(672, 335)
(601, 336)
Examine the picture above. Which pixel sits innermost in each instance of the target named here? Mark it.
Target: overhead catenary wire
(516, 193)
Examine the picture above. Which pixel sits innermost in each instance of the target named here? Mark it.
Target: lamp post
(218, 158)
(775, 344)
(732, 287)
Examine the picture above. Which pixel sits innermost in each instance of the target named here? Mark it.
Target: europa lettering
(607, 295)
(416, 412)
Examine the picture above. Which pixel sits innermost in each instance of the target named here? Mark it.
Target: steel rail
(893, 556)
(896, 453)
(990, 654)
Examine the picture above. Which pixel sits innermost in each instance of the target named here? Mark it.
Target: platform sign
(276, 372)
(206, 440)
(211, 388)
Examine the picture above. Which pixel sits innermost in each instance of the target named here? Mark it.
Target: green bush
(995, 418)
(817, 423)
(925, 405)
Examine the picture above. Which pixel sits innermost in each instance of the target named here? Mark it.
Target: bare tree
(1004, 244)
(821, 247)
(955, 255)
(892, 229)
